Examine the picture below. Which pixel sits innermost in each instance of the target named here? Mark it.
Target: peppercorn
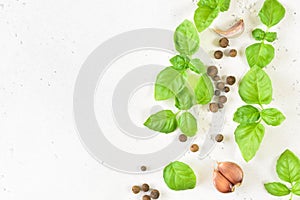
(220, 85)
(145, 187)
(146, 197)
(220, 105)
(218, 54)
(219, 137)
(216, 78)
(222, 99)
(136, 189)
(212, 71)
(230, 80)
(182, 138)
(143, 168)
(226, 89)
(224, 42)
(194, 148)
(232, 53)
(154, 194)
(217, 93)
(213, 107)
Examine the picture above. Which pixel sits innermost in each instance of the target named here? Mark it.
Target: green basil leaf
(204, 16)
(258, 34)
(178, 62)
(288, 167)
(209, 3)
(204, 90)
(271, 36)
(277, 189)
(296, 188)
(271, 13)
(224, 5)
(246, 115)
(197, 66)
(272, 116)
(185, 99)
(163, 121)
(179, 176)
(187, 124)
(186, 38)
(169, 82)
(249, 137)
(259, 54)
(256, 87)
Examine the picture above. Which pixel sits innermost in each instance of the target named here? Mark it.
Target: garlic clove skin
(232, 172)
(221, 183)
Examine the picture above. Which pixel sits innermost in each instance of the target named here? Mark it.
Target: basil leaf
(209, 3)
(271, 13)
(256, 87)
(288, 167)
(163, 121)
(178, 62)
(204, 16)
(197, 66)
(179, 176)
(246, 115)
(169, 82)
(259, 54)
(186, 38)
(184, 100)
(258, 34)
(249, 137)
(296, 188)
(224, 5)
(187, 124)
(272, 116)
(271, 36)
(204, 90)
(277, 189)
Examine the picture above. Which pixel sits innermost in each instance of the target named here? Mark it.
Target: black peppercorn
(182, 138)
(143, 168)
(194, 148)
(213, 107)
(154, 194)
(218, 54)
(212, 71)
(224, 42)
(219, 138)
(230, 80)
(136, 189)
(222, 99)
(145, 187)
(216, 78)
(220, 85)
(226, 89)
(217, 93)
(146, 197)
(232, 53)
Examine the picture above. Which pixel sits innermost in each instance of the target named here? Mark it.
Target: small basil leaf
(169, 82)
(271, 13)
(288, 167)
(271, 36)
(272, 116)
(258, 34)
(187, 124)
(259, 54)
(204, 16)
(178, 62)
(249, 137)
(246, 115)
(296, 188)
(256, 87)
(197, 66)
(204, 90)
(179, 176)
(184, 100)
(277, 189)
(224, 5)
(186, 38)
(163, 121)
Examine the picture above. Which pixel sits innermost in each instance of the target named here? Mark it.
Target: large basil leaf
(188, 124)
(272, 116)
(179, 176)
(184, 100)
(204, 90)
(246, 115)
(256, 87)
(186, 38)
(163, 121)
(259, 54)
(277, 189)
(249, 137)
(271, 13)
(204, 16)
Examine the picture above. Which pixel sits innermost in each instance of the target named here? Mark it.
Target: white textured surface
(42, 46)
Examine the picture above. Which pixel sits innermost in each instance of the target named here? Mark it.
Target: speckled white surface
(42, 46)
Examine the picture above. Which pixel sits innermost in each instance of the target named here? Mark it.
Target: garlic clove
(232, 172)
(221, 183)
(237, 29)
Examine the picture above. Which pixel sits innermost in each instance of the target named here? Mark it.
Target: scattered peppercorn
(222, 99)
(136, 189)
(224, 42)
(230, 80)
(182, 138)
(154, 194)
(146, 197)
(220, 85)
(143, 168)
(226, 89)
(212, 71)
(232, 53)
(213, 107)
(194, 148)
(219, 138)
(145, 187)
(217, 92)
(220, 105)
(218, 54)
(216, 78)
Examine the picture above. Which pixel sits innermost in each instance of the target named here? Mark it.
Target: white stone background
(42, 47)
